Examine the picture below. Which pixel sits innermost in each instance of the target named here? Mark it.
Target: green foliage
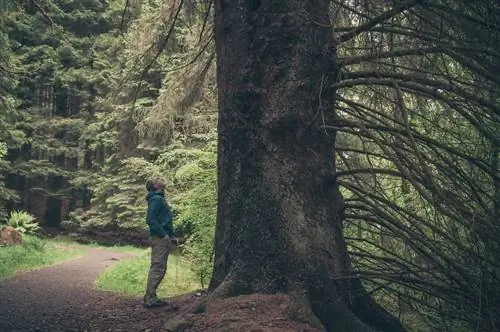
(34, 167)
(118, 194)
(118, 200)
(6, 195)
(167, 139)
(172, 134)
(3, 150)
(54, 57)
(196, 184)
(8, 115)
(129, 277)
(33, 253)
(23, 222)
(68, 89)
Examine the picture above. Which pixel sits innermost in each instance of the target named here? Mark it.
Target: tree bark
(279, 218)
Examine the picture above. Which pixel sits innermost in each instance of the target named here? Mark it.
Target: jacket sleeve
(154, 211)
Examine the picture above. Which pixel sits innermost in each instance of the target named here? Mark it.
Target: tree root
(337, 317)
(372, 313)
(328, 315)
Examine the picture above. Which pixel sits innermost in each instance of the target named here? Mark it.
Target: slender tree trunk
(279, 223)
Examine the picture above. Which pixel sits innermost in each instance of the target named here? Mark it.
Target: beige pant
(160, 249)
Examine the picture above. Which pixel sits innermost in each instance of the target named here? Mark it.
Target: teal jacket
(159, 217)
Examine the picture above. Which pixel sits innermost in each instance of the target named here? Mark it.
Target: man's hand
(174, 240)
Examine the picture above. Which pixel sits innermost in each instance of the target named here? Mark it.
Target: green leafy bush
(34, 243)
(3, 152)
(191, 190)
(3, 149)
(197, 208)
(23, 222)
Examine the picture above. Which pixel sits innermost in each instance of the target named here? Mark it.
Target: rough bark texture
(279, 223)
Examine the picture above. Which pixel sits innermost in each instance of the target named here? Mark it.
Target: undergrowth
(129, 277)
(33, 253)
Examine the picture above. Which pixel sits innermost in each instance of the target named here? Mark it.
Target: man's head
(155, 184)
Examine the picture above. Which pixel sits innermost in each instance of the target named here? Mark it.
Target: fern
(23, 222)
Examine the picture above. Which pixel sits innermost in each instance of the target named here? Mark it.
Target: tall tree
(279, 221)
(416, 140)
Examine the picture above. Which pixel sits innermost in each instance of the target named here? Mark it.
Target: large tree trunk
(279, 222)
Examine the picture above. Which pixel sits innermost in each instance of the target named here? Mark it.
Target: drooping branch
(159, 50)
(353, 60)
(398, 9)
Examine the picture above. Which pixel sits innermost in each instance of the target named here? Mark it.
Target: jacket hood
(152, 193)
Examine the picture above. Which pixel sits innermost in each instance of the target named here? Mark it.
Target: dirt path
(62, 298)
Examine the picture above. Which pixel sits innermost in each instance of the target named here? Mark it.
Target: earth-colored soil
(251, 313)
(62, 297)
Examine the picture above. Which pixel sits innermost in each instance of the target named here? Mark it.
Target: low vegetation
(32, 254)
(23, 222)
(129, 277)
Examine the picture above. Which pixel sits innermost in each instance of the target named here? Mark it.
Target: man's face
(159, 185)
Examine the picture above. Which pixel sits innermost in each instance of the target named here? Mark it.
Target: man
(159, 219)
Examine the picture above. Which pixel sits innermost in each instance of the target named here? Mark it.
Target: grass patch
(32, 254)
(129, 277)
(68, 241)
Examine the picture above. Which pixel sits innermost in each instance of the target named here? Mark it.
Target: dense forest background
(97, 96)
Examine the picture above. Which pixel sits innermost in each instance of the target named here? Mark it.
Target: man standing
(159, 219)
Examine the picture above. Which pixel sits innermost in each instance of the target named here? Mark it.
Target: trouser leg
(160, 248)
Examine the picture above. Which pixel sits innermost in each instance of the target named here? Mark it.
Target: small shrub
(71, 224)
(3, 149)
(23, 222)
(35, 244)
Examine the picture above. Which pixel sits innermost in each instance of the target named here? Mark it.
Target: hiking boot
(155, 304)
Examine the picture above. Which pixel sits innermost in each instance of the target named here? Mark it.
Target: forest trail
(62, 297)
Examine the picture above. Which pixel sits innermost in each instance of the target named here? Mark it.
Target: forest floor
(63, 297)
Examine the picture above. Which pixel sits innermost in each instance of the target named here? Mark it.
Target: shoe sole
(149, 306)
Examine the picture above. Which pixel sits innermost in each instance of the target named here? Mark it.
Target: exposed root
(232, 306)
(337, 317)
(256, 312)
(225, 310)
(372, 313)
